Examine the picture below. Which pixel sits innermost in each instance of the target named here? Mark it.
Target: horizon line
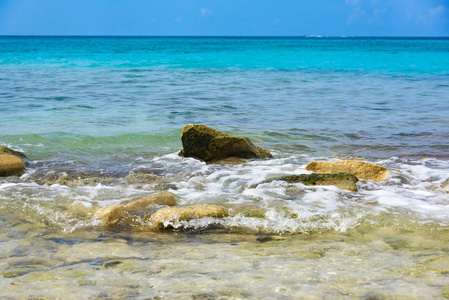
(225, 36)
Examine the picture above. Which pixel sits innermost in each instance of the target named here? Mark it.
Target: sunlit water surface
(100, 120)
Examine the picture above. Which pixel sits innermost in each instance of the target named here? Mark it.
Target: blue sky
(225, 17)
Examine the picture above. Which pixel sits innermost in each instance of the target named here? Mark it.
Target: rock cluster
(11, 162)
(210, 145)
(162, 210)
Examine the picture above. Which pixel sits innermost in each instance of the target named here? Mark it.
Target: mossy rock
(361, 169)
(208, 144)
(345, 181)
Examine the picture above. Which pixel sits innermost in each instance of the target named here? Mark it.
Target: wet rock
(10, 165)
(248, 211)
(112, 215)
(81, 208)
(345, 181)
(5, 150)
(165, 186)
(111, 264)
(158, 199)
(361, 169)
(229, 161)
(206, 143)
(166, 216)
(264, 238)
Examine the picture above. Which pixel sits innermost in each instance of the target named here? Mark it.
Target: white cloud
(437, 10)
(206, 12)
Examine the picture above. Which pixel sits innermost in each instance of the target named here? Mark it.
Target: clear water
(100, 119)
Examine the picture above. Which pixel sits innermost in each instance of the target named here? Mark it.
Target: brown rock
(361, 169)
(158, 199)
(110, 215)
(162, 217)
(6, 150)
(209, 144)
(344, 181)
(10, 165)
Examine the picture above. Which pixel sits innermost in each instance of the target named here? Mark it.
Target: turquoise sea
(100, 120)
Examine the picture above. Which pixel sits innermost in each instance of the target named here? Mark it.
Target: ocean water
(100, 120)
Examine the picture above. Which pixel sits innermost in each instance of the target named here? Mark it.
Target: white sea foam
(414, 186)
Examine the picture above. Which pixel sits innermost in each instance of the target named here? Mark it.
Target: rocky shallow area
(161, 210)
(180, 227)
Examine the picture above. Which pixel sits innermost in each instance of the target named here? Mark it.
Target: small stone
(361, 169)
(264, 239)
(111, 264)
(10, 165)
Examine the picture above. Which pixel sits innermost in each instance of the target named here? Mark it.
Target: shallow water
(100, 120)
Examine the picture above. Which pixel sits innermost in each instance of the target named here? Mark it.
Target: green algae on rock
(361, 169)
(345, 181)
(208, 144)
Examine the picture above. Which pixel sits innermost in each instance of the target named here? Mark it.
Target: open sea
(100, 120)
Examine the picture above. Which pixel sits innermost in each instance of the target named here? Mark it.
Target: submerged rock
(145, 203)
(112, 215)
(166, 216)
(228, 161)
(345, 181)
(209, 144)
(361, 169)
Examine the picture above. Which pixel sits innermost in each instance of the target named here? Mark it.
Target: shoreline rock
(361, 169)
(112, 215)
(11, 162)
(208, 144)
(5, 150)
(165, 198)
(344, 181)
(164, 216)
